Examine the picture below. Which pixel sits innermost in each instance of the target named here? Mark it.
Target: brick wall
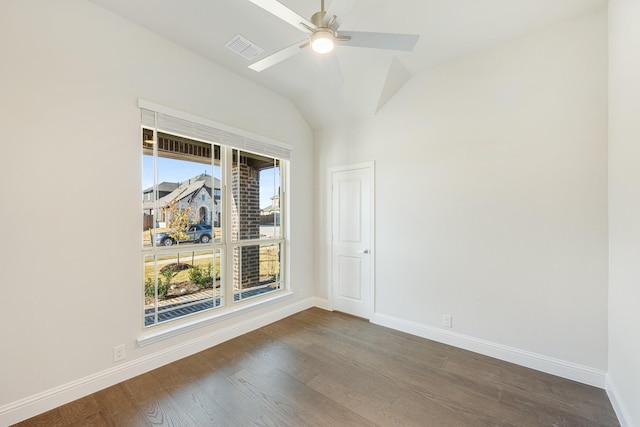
(245, 224)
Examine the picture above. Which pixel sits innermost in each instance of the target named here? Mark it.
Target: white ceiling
(447, 29)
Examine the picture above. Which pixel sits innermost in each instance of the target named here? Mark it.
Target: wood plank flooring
(318, 368)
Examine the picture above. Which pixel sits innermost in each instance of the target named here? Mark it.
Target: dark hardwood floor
(318, 368)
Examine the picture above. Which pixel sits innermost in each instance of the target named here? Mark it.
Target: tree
(178, 221)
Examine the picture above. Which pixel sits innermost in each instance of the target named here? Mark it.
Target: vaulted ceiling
(447, 29)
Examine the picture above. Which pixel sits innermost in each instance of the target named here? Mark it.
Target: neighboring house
(196, 193)
(272, 212)
(273, 207)
(164, 188)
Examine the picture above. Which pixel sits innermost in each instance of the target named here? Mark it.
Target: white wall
(70, 78)
(491, 195)
(624, 208)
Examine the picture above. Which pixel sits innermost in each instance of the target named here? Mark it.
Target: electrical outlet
(447, 320)
(119, 352)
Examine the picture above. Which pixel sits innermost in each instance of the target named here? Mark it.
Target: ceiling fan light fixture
(323, 40)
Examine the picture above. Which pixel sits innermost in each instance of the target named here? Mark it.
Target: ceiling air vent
(243, 47)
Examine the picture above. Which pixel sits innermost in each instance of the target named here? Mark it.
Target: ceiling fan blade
(339, 9)
(279, 56)
(283, 12)
(404, 42)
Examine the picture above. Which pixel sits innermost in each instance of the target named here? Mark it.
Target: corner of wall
(618, 406)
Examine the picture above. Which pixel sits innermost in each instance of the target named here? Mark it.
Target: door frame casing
(370, 165)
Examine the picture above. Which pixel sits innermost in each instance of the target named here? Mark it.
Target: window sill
(174, 330)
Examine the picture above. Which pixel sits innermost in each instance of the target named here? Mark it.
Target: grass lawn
(269, 263)
(199, 258)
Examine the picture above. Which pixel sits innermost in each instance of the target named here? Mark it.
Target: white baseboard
(550, 365)
(624, 417)
(33, 405)
(321, 303)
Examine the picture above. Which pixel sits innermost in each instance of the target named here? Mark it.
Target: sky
(171, 170)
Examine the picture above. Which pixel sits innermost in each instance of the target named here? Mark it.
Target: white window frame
(182, 124)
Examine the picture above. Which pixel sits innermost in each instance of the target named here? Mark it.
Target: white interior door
(352, 240)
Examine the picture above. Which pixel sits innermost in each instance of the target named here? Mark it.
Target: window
(255, 242)
(212, 235)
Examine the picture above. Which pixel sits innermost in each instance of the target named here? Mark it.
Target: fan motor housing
(318, 18)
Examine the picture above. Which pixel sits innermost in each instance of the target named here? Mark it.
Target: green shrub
(149, 287)
(195, 274)
(163, 285)
(201, 276)
(163, 288)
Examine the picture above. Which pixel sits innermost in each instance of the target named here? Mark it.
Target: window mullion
(227, 229)
(284, 220)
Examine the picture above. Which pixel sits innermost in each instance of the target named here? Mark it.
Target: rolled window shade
(188, 126)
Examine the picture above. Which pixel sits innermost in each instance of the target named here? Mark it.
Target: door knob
(366, 251)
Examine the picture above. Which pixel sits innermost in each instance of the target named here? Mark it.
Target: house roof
(185, 189)
(163, 186)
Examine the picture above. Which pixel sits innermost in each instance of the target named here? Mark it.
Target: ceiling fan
(323, 32)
